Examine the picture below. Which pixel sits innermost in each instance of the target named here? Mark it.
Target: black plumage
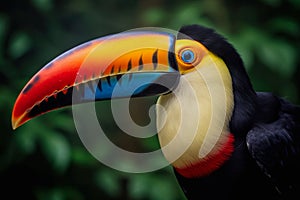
(266, 158)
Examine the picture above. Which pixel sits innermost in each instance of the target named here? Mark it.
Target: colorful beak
(129, 64)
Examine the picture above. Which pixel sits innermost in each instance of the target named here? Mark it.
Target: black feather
(274, 143)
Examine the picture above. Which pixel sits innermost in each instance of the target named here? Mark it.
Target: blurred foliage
(45, 159)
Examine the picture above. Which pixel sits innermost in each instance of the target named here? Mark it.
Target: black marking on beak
(129, 65)
(119, 76)
(99, 85)
(112, 69)
(155, 59)
(108, 80)
(91, 86)
(141, 64)
(30, 85)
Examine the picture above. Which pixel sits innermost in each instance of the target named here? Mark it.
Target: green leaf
(62, 120)
(27, 136)
(3, 27)
(188, 14)
(19, 45)
(244, 49)
(43, 5)
(287, 25)
(56, 149)
(273, 3)
(153, 16)
(153, 186)
(245, 42)
(279, 56)
(295, 3)
(109, 181)
(162, 189)
(81, 156)
(26, 141)
(139, 186)
(58, 194)
(50, 194)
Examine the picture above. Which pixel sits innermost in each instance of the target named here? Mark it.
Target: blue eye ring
(187, 56)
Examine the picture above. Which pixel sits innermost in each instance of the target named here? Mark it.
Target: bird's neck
(193, 120)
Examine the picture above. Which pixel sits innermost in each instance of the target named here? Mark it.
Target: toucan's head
(197, 74)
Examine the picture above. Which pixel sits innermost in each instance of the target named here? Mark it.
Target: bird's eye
(187, 56)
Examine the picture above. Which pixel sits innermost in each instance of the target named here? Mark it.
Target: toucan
(223, 139)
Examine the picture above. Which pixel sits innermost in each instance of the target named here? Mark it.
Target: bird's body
(266, 157)
(265, 163)
(224, 140)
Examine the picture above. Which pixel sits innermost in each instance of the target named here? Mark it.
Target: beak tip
(17, 122)
(14, 124)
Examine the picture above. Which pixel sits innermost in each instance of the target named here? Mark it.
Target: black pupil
(187, 56)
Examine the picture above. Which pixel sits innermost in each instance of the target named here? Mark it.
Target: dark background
(45, 159)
